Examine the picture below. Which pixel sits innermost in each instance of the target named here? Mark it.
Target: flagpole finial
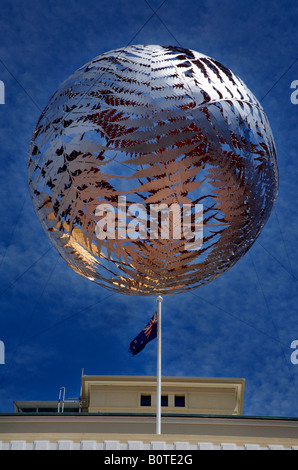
(159, 299)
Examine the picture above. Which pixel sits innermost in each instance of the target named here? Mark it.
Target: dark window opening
(179, 400)
(164, 400)
(27, 410)
(145, 400)
(46, 410)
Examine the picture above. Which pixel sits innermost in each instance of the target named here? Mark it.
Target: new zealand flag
(146, 335)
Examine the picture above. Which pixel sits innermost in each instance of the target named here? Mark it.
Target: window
(47, 410)
(145, 400)
(27, 410)
(164, 400)
(179, 400)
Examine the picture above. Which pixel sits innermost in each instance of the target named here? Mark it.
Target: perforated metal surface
(157, 125)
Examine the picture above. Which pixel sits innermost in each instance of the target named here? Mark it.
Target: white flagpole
(158, 389)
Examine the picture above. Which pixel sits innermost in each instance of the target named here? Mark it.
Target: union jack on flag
(143, 338)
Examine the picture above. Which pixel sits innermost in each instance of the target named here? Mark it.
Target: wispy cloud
(240, 325)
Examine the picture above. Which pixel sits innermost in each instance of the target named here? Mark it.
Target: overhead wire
(38, 107)
(11, 284)
(20, 342)
(20, 214)
(274, 324)
(285, 249)
(236, 317)
(16, 347)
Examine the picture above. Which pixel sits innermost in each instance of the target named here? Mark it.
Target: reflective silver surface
(154, 124)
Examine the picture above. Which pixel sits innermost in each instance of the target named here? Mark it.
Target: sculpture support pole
(158, 388)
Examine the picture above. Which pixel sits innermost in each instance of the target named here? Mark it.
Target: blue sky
(53, 322)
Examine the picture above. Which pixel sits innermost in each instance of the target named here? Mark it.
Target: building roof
(111, 414)
(124, 432)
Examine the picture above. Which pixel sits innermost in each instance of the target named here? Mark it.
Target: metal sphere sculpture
(148, 126)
